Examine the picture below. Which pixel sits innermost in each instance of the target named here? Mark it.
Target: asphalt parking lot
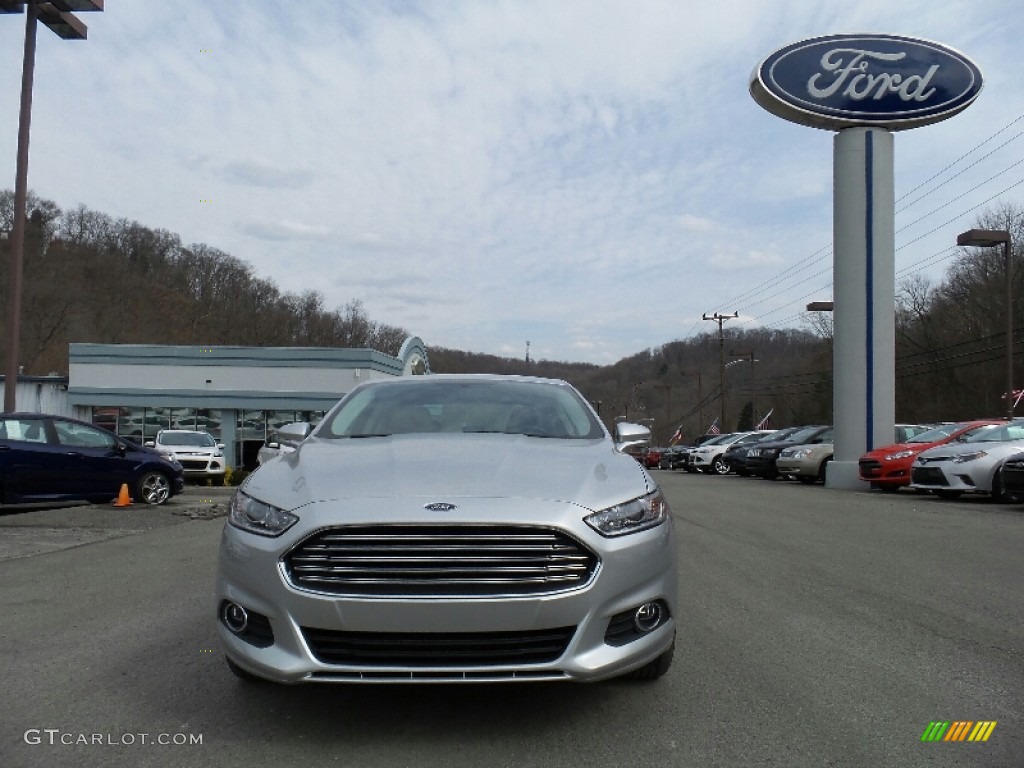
(816, 628)
(34, 529)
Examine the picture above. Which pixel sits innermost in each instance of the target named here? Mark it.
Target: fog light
(234, 617)
(648, 616)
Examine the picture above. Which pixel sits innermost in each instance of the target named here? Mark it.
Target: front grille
(439, 561)
(928, 476)
(437, 649)
(870, 468)
(194, 464)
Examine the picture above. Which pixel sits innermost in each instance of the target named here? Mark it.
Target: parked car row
(799, 452)
(949, 460)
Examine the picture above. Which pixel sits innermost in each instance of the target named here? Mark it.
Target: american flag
(677, 436)
(714, 429)
(763, 423)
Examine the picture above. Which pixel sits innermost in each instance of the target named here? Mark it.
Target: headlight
(965, 457)
(899, 455)
(636, 515)
(803, 453)
(254, 516)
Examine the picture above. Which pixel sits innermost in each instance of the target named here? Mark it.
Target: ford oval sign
(882, 81)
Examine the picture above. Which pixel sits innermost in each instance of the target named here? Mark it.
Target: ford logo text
(884, 81)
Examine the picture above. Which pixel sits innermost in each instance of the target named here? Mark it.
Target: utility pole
(749, 358)
(720, 319)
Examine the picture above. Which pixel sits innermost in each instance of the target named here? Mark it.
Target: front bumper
(885, 473)
(633, 570)
(797, 467)
(947, 476)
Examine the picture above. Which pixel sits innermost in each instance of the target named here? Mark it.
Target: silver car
(450, 529)
(952, 469)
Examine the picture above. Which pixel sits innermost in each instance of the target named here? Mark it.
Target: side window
(81, 436)
(23, 430)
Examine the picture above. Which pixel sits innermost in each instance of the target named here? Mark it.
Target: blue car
(53, 458)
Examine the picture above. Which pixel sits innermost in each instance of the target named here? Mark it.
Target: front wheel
(153, 488)
(652, 670)
(998, 494)
(720, 466)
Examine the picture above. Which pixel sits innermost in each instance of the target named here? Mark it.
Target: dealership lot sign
(863, 87)
(884, 81)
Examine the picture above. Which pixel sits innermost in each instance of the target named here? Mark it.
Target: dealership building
(237, 394)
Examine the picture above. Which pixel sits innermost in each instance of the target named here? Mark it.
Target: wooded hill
(93, 278)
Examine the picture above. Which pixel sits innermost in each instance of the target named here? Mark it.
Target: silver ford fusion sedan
(450, 529)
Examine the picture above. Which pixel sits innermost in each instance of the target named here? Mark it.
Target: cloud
(591, 177)
(258, 175)
(283, 230)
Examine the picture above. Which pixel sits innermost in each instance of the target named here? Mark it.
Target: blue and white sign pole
(864, 279)
(864, 87)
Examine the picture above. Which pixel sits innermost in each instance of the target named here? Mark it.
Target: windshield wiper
(373, 434)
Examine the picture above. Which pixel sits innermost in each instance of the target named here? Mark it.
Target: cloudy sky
(589, 176)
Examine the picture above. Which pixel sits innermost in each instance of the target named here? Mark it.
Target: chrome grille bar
(439, 561)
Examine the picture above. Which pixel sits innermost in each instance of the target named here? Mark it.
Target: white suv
(200, 455)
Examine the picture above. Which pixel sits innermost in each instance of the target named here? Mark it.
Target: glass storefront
(252, 427)
(141, 424)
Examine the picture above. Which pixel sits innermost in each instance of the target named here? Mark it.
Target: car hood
(955, 449)
(885, 450)
(444, 467)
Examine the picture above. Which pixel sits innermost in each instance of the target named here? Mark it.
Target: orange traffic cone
(123, 499)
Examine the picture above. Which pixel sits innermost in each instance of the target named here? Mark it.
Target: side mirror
(150, 444)
(629, 435)
(220, 446)
(295, 433)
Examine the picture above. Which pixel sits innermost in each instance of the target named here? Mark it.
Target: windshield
(996, 433)
(940, 433)
(520, 407)
(716, 440)
(802, 434)
(201, 439)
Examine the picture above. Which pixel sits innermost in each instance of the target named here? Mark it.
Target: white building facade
(237, 394)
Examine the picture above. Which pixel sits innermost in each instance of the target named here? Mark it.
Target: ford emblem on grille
(439, 506)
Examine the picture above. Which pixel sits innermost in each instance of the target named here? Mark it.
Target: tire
(153, 488)
(652, 670)
(719, 466)
(822, 470)
(884, 487)
(806, 480)
(948, 495)
(999, 495)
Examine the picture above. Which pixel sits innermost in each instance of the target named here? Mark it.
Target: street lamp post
(58, 16)
(989, 238)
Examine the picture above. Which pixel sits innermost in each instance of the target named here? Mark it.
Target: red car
(888, 468)
(652, 459)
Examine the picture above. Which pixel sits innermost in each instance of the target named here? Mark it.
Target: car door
(94, 462)
(28, 462)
